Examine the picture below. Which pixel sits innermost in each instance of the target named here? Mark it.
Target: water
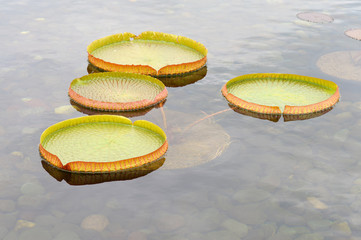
(271, 180)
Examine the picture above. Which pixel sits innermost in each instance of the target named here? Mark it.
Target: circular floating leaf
(102, 143)
(293, 117)
(315, 17)
(341, 64)
(354, 33)
(112, 91)
(91, 68)
(151, 53)
(290, 94)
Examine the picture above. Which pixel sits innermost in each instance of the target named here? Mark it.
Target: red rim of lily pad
(235, 89)
(354, 33)
(315, 17)
(73, 178)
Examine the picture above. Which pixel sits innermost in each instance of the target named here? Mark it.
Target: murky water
(263, 180)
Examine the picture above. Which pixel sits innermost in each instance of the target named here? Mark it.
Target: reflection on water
(290, 117)
(184, 79)
(299, 180)
(341, 64)
(74, 178)
(271, 117)
(276, 117)
(169, 81)
(127, 114)
(191, 142)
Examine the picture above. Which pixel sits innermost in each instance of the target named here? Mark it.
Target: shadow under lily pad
(179, 80)
(116, 91)
(94, 178)
(127, 114)
(184, 79)
(150, 53)
(102, 144)
(315, 17)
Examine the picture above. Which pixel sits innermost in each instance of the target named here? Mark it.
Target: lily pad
(354, 33)
(273, 93)
(315, 17)
(151, 53)
(192, 145)
(341, 64)
(270, 117)
(112, 91)
(102, 143)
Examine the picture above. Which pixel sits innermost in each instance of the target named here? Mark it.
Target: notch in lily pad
(169, 80)
(150, 53)
(270, 95)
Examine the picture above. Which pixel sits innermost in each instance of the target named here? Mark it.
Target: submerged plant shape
(288, 94)
(192, 142)
(111, 91)
(151, 53)
(127, 114)
(354, 33)
(102, 143)
(341, 64)
(315, 17)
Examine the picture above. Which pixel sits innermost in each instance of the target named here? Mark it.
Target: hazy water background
(284, 180)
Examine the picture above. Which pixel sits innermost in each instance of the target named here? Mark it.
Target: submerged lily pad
(111, 91)
(272, 93)
(151, 53)
(192, 145)
(315, 17)
(102, 143)
(128, 114)
(354, 33)
(341, 64)
(276, 117)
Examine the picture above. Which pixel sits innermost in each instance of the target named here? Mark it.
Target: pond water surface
(232, 176)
